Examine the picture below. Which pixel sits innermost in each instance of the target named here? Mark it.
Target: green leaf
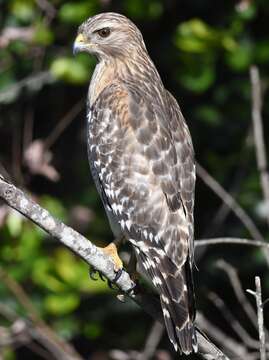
(61, 304)
(241, 58)
(23, 10)
(67, 326)
(8, 353)
(43, 275)
(249, 11)
(43, 35)
(261, 52)
(195, 36)
(92, 330)
(199, 75)
(141, 9)
(77, 12)
(54, 206)
(29, 243)
(70, 70)
(14, 223)
(209, 115)
(75, 273)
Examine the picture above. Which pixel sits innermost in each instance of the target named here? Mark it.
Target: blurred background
(203, 51)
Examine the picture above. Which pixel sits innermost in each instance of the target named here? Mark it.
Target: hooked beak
(79, 44)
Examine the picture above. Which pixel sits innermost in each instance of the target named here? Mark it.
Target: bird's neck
(132, 70)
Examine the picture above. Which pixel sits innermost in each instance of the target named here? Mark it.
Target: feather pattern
(142, 161)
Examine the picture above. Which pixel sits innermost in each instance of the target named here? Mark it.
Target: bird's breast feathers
(140, 170)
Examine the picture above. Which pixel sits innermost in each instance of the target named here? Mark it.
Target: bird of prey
(142, 161)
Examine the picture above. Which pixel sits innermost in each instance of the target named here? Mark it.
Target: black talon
(118, 275)
(110, 285)
(92, 272)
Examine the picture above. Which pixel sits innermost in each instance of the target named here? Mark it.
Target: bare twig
(259, 304)
(93, 256)
(63, 123)
(31, 83)
(231, 320)
(235, 350)
(233, 204)
(230, 201)
(15, 33)
(223, 211)
(152, 341)
(228, 240)
(238, 290)
(48, 8)
(20, 295)
(40, 330)
(256, 98)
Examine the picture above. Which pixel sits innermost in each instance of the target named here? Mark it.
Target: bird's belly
(113, 221)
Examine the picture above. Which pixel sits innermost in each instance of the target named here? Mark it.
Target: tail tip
(187, 340)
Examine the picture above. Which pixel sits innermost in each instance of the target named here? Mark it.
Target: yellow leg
(111, 250)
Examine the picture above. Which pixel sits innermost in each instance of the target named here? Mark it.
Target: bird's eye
(105, 32)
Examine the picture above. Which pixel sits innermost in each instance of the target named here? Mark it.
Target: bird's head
(108, 35)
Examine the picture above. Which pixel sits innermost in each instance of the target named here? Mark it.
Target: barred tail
(175, 287)
(178, 306)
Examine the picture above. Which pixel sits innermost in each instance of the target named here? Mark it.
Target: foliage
(203, 51)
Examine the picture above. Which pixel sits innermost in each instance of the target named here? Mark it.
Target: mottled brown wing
(186, 164)
(138, 161)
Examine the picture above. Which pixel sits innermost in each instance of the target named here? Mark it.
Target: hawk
(142, 161)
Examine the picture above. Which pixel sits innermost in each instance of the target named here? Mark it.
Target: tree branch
(230, 202)
(256, 98)
(259, 304)
(233, 204)
(37, 328)
(229, 240)
(82, 247)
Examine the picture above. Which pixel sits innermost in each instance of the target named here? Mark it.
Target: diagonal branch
(233, 204)
(38, 329)
(82, 247)
(256, 97)
(230, 202)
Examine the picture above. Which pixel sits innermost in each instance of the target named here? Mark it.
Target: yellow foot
(111, 250)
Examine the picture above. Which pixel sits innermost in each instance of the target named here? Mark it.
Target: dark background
(203, 50)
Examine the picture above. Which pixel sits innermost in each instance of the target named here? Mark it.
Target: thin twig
(31, 83)
(259, 304)
(256, 99)
(229, 201)
(63, 123)
(152, 341)
(231, 320)
(12, 33)
(233, 204)
(48, 8)
(228, 240)
(238, 290)
(235, 350)
(20, 295)
(82, 247)
(223, 211)
(54, 343)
